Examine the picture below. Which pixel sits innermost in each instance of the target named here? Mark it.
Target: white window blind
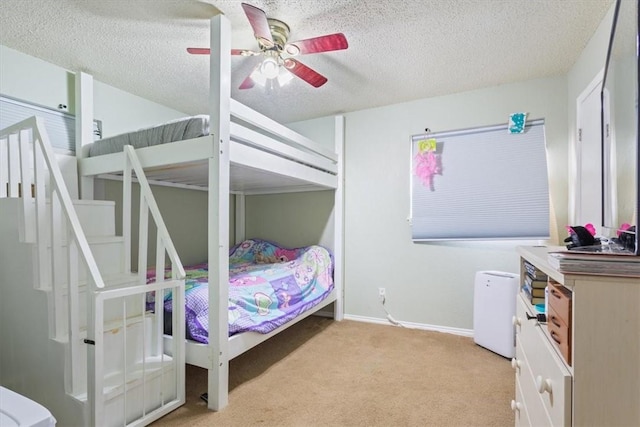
(491, 184)
(60, 125)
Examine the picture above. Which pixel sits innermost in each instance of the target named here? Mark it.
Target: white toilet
(16, 410)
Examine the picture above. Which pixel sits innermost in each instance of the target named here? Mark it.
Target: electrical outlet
(382, 292)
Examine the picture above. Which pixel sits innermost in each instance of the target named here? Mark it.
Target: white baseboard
(445, 329)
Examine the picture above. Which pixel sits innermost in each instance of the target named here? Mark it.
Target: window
(60, 125)
(486, 183)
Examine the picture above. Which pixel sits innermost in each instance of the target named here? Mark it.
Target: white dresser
(600, 384)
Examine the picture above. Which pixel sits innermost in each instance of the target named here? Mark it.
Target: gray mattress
(175, 130)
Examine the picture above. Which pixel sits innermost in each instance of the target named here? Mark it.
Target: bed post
(218, 218)
(240, 218)
(84, 127)
(338, 218)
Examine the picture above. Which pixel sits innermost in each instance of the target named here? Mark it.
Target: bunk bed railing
(270, 126)
(29, 170)
(148, 206)
(153, 362)
(249, 129)
(156, 376)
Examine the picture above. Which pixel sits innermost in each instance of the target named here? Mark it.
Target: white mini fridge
(494, 305)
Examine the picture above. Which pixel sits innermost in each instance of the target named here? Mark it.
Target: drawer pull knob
(515, 406)
(543, 385)
(515, 363)
(516, 321)
(555, 337)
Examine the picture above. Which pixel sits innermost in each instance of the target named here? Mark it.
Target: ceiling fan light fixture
(258, 77)
(270, 68)
(284, 77)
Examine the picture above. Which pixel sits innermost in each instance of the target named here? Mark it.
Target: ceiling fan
(279, 62)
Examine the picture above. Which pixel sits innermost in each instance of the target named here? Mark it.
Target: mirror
(620, 126)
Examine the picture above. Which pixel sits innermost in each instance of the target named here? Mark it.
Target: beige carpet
(325, 373)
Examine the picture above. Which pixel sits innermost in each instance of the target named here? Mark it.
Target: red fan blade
(247, 83)
(199, 50)
(318, 44)
(258, 20)
(305, 73)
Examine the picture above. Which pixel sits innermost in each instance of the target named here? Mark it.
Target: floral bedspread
(268, 286)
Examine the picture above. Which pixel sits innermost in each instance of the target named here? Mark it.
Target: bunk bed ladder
(148, 382)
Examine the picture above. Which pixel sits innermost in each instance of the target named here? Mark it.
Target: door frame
(576, 153)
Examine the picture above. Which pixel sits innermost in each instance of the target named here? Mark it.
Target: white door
(588, 154)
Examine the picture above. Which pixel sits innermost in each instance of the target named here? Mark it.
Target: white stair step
(110, 281)
(146, 391)
(151, 369)
(120, 279)
(140, 345)
(113, 385)
(111, 309)
(96, 216)
(108, 252)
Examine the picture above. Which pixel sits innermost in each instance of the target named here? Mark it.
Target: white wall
(33, 80)
(432, 283)
(319, 130)
(291, 219)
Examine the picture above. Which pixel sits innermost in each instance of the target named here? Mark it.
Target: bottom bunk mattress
(268, 286)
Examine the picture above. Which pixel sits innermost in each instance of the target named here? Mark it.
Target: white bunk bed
(245, 153)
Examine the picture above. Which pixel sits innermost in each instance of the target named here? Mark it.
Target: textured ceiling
(398, 50)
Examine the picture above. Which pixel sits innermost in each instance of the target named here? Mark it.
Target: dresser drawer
(545, 380)
(532, 411)
(525, 323)
(519, 408)
(560, 301)
(560, 333)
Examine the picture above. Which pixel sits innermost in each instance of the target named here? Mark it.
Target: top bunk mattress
(266, 155)
(175, 130)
